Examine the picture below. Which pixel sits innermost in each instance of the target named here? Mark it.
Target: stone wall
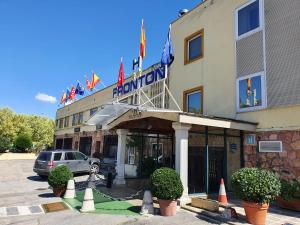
(96, 136)
(286, 163)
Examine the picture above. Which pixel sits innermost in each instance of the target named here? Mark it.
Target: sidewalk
(13, 156)
(276, 215)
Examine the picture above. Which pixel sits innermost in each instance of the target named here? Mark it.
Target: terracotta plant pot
(167, 207)
(256, 213)
(59, 192)
(293, 204)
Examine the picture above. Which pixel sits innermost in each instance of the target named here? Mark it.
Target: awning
(108, 113)
(113, 114)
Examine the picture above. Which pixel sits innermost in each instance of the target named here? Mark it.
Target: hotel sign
(141, 81)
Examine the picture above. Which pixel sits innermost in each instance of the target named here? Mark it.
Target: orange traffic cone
(222, 193)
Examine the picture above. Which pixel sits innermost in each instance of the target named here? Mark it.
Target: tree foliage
(40, 129)
(23, 142)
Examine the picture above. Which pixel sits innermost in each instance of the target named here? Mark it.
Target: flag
(121, 74)
(88, 84)
(63, 98)
(143, 42)
(95, 80)
(79, 89)
(249, 86)
(168, 53)
(67, 94)
(72, 93)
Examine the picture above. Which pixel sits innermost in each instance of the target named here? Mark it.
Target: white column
(181, 156)
(122, 134)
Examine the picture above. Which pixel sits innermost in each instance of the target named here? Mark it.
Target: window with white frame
(248, 18)
(250, 92)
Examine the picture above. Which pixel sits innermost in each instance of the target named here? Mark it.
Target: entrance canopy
(125, 116)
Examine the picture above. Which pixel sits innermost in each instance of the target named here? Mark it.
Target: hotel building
(236, 79)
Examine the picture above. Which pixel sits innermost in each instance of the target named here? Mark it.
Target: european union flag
(168, 53)
(79, 89)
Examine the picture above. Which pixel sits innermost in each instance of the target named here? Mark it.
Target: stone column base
(185, 199)
(119, 181)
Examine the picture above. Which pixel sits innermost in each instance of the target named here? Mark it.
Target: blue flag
(67, 94)
(79, 89)
(168, 53)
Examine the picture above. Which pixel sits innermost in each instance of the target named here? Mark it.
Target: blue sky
(45, 46)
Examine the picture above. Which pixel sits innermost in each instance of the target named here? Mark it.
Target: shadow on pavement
(37, 178)
(46, 195)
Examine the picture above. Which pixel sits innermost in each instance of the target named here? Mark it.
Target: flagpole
(103, 84)
(139, 85)
(164, 87)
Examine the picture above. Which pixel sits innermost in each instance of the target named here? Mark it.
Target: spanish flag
(143, 42)
(63, 98)
(95, 80)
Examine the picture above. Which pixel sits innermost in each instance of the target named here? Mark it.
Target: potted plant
(290, 195)
(166, 185)
(58, 179)
(257, 188)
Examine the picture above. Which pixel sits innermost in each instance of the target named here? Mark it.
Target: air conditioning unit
(270, 146)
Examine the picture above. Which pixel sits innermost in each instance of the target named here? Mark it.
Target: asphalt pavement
(22, 192)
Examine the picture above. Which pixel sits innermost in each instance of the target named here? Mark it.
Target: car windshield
(44, 156)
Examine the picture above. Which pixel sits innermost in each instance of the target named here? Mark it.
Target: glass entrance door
(196, 170)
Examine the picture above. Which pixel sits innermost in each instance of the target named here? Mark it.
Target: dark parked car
(75, 160)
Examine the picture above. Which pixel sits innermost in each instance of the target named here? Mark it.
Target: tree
(7, 124)
(23, 142)
(40, 129)
(5, 144)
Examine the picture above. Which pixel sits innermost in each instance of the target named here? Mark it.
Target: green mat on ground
(104, 205)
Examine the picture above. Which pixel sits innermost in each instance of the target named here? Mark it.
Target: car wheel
(95, 168)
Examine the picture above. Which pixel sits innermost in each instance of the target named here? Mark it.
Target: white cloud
(45, 98)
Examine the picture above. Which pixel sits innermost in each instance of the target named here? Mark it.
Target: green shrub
(165, 184)
(5, 144)
(255, 185)
(22, 143)
(60, 176)
(290, 190)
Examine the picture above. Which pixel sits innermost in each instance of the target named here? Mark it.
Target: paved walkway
(14, 156)
(21, 189)
(20, 210)
(275, 216)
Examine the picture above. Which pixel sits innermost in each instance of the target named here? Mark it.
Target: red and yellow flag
(249, 84)
(143, 42)
(95, 80)
(63, 98)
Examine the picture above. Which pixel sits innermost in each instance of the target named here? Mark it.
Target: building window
(61, 123)
(66, 122)
(75, 119)
(193, 47)
(80, 120)
(250, 92)
(193, 100)
(248, 18)
(93, 111)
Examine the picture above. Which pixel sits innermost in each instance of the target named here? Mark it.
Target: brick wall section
(96, 136)
(286, 163)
